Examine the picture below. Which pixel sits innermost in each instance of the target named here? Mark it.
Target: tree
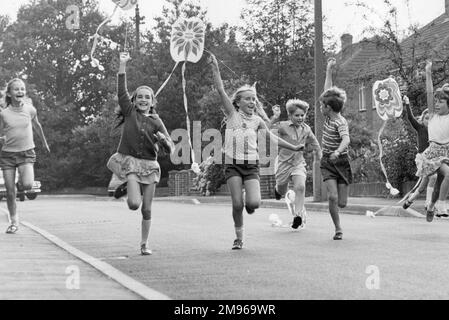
(279, 39)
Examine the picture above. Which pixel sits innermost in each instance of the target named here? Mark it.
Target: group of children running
(143, 133)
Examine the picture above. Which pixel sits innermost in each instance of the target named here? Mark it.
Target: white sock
(239, 233)
(146, 224)
(429, 196)
(441, 207)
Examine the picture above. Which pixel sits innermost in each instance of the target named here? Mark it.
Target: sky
(342, 16)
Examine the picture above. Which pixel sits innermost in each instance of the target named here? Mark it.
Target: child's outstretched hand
(212, 61)
(276, 111)
(124, 57)
(331, 62)
(406, 100)
(299, 147)
(160, 136)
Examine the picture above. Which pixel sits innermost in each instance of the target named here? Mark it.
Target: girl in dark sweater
(136, 157)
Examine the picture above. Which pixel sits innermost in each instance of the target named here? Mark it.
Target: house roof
(369, 59)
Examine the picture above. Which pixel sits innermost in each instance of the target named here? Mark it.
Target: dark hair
(8, 99)
(443, 92)
(335, 98)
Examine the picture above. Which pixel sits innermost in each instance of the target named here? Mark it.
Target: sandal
(407, 204)
(12, 229)
(430, 214)
(338, 235)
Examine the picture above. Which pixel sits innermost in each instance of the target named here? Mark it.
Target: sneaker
(429, 215)
(238, 244)
(144, 250)
(250, 211)
(297, 221)
(304, 218)
(277, 195)
(120, 191)
(407, 204)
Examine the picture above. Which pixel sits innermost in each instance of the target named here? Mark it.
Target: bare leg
(332, 190)
(235, 186)
(148, 195)
(299, 186)
(422, 186)
(9, 176)
(252, 201)
(444, 190)
(134, 195)
(26, 176)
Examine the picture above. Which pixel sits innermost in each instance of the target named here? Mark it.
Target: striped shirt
(333, 133)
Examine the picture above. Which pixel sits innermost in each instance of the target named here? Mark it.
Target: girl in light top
(436, 156)
(17, 122)
(241, 153)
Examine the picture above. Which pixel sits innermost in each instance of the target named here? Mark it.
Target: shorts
(285, 171)
(248, 171)
(339, 169)
(12, 160)
(126, 167)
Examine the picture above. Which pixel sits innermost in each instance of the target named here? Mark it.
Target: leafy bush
(210, 178)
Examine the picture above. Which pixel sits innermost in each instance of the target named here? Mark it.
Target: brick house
(361, 64)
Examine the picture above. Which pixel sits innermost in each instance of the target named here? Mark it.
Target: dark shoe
(407, 204)
(238, 244)
(12, 229)
(250, 211)
(120, 191)
(144, 250)
(429, 215)
(297, 221)
(442, 215)
(277, 195)
(338, 235)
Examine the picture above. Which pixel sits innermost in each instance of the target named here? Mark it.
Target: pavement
(35, 265)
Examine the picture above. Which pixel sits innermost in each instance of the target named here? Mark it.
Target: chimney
(346, 44)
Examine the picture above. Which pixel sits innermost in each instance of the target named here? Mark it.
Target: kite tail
(393, 191)
(96, 37)
(194, 164)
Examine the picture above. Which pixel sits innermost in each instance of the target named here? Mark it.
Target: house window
(362, 100)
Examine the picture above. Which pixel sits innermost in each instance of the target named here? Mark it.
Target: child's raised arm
(124, 58)
(331, 62)
(429, 86)
(38, 128)
(410, 116)
(227, 103)
(122, 88)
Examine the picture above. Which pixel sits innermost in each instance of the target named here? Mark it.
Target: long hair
(8, 99)
(119, 115)
(238, 95)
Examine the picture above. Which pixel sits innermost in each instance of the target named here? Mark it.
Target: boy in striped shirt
(335, 166)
